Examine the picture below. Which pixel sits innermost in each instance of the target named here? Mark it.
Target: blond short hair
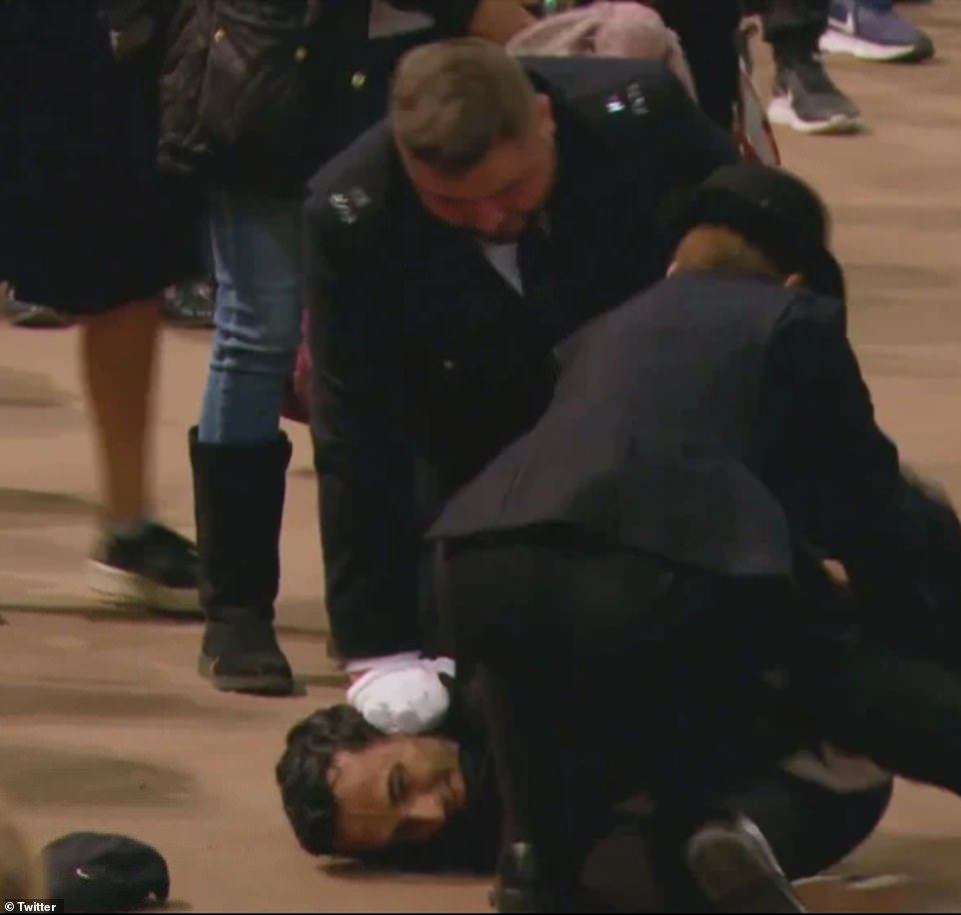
(19, 872)
(710, 247)
(452, 101)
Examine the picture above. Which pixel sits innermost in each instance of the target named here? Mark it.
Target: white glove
(401, 694)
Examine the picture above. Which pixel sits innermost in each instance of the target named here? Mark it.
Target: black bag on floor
(98, 872)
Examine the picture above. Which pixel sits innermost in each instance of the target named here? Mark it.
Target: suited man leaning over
(502, 205)
(647, 553)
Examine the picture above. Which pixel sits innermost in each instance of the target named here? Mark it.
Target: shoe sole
(837, 42)
(728, 862)
(255, 685)
(38, 318)
(130, 589)
(781, 112)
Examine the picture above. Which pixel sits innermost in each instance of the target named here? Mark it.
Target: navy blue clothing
(427, 360)
(86, 223)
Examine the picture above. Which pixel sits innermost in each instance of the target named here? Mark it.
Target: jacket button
(219, 35)
(448, 364)
(300, 55)
(358, 80)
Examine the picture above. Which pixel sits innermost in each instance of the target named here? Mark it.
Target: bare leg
(117, 357)
(137, 561)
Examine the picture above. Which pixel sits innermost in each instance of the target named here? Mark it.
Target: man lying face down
(431, 802)
(426, 801)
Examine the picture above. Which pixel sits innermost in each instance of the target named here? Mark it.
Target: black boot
(239, 503)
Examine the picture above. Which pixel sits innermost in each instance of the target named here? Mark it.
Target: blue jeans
(256, 246)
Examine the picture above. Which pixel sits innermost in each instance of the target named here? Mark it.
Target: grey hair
(453, 101)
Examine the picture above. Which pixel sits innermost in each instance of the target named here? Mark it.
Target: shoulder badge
(631, 99)
(347, 204)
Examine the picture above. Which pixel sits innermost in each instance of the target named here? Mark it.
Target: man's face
(399, 789)
(503, 193)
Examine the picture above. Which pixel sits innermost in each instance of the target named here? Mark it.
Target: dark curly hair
(303, 771)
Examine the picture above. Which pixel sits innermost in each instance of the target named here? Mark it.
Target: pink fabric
(608, 28)
(296, 404)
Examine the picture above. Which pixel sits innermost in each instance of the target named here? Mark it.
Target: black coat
(720, 422)
(78, 120)
(258, 93)
(427, 361)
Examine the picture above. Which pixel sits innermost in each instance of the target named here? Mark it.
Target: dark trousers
(605, 670)
(791, 27)
(707, 30)
(708, 33)
(808, 827)
(902, 712)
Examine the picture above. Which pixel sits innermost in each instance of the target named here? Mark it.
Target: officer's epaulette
(609, 89)
(649, 93)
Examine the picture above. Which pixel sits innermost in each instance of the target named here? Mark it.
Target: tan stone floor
(103, 723)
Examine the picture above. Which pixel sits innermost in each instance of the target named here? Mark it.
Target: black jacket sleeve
(840, 481)
(363, 459)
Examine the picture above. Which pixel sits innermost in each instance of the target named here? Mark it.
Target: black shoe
(189, 304)
(156, 569)
(735, 869)
(806, 99)
(25, 314)
(239, 503)
(516, 886)
(242, 655)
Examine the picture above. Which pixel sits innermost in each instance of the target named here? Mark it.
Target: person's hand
(400, 694)
(836, 572)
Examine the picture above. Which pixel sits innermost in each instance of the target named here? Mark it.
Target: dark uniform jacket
(428, 360)
(717, 421)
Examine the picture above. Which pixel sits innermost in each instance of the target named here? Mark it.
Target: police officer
(448, 251)
(646, 553)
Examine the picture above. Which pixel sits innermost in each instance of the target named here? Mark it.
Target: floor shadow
(34, 777)
(102, 613)
(73, 700)
(105, 613)
(32, 390)
(25, 503)
(350, 869)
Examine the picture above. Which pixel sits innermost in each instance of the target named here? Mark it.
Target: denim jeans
(256, 246)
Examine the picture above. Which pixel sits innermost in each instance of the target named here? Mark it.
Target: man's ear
(672, 269)
(794, 281)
